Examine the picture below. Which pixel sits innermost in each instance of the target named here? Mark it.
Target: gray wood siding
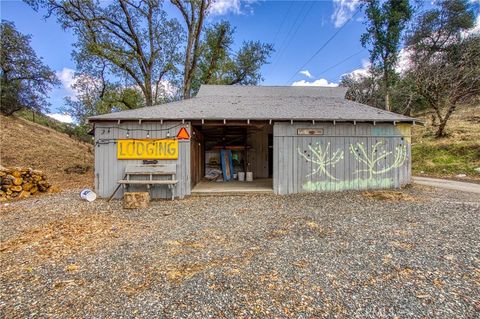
(108, 169)
(331, 165)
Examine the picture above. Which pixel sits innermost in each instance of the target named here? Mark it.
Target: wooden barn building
(290, 139)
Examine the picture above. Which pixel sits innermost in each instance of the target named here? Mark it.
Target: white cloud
(403, 62)
(166, 89)
(360, 72)
(306, 73)
(62, 117)
(319, 82)
(475, 29)
(343, 10)
(223, 7)
(66, 76)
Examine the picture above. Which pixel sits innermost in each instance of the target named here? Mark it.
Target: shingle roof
(222, 102)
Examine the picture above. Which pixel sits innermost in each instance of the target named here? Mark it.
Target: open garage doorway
(232, 158)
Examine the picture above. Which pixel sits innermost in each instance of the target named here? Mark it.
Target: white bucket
(241, 176)
(88, 195)
(249, 176)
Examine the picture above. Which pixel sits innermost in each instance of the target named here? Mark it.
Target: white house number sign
(310, 131)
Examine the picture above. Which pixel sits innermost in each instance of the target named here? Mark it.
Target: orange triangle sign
(183, 134)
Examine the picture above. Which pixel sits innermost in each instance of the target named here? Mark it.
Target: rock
(133, 200)
(461, 175)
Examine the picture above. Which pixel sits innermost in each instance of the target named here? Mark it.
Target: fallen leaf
(72, 267)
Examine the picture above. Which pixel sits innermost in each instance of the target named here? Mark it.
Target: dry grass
(457, 153)
(53, 242)
(24, 143)
(62, 238)
(388, 195)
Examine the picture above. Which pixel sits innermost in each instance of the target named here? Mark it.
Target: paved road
(448, 184)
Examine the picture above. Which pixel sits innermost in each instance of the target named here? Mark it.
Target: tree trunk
(215, 57)
(186, 69)
(443, 121)
(387, 101)
(148, 91)
(186, 88)
(441, 129)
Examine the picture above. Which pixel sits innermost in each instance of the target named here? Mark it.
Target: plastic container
(241, 176)
(88, 195)
(249, 176)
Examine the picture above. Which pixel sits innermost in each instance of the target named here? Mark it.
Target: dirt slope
(68, 163)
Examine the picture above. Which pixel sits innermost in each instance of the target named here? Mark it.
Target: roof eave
(339, 120)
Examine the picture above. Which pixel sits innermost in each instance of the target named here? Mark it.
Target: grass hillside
(458, 153)
(67, 162)
(71, 130)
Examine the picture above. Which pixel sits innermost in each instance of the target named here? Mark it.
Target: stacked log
(21, 182)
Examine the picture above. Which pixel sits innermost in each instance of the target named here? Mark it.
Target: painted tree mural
(376, 159)
(322, 158)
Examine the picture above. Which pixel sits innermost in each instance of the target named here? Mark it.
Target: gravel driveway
(306, 255)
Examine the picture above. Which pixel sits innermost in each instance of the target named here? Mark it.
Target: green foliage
(247, 63)
(366, 89)
(405, 98)
(97, 97)
(214, 53)
(131, 42)
(24, 80)
(193, 13)
(218, 66)
(385, 24)
(435, 29)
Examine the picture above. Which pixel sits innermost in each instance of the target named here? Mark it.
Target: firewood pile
(21, 182)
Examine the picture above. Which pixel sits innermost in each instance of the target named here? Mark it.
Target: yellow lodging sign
(147, 149)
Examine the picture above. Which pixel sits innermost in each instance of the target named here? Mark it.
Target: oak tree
(24, 79)
(137, 41)
(445, 59)
(194, 13)
(385, 23)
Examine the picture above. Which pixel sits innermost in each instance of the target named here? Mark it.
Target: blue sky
(296, 28)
